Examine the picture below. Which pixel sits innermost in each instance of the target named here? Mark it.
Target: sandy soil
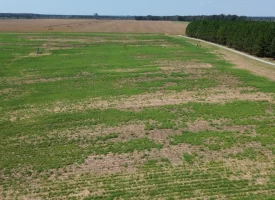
(255, 67)
(73, 25)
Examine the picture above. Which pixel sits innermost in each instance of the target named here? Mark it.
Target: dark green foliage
(191, 18)
(272, 48)
(257, 38)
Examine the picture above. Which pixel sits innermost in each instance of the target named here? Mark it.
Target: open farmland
(131, 116)
(74, 25)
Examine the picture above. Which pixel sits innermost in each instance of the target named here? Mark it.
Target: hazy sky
(141, 7)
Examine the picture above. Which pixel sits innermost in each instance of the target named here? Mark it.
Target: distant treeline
(149, 17)
(42, 16)
(254, 37)
(262, 18)
(191, 18)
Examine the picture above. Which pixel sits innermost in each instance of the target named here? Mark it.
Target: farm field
(131, 116)
(74, 25)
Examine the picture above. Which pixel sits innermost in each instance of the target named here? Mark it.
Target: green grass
(190, 149)
(212, 140)
(107, 137)
(125, 147)
(189, 158)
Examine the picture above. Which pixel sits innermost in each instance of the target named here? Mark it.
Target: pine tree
(255, 37)
(272, 48)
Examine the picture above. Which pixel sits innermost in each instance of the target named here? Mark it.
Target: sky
(140, 7)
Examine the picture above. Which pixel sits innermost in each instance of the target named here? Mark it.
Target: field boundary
(232, 50)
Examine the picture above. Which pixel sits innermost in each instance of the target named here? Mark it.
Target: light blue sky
(141, 7)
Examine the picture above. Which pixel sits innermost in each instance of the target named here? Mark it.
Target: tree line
(191, 18)
(148, 17)
(254, 37)
(45, 16)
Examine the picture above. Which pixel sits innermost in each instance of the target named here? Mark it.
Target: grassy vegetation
(109, 116)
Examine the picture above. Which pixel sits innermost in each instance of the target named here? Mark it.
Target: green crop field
(131, 116)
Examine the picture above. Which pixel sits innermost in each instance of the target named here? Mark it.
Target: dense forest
(254, 37)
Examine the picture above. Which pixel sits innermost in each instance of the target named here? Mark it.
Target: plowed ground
(114, 26)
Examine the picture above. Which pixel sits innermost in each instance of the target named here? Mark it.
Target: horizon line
(127, 15)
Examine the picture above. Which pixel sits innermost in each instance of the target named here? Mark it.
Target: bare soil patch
(39, 55)
(130, 163)
(120, 70)
(170, 65)
(73, 25)
(125, 133)
(139, 102)
(6, 91)
(250, 65)
(127, 163)
(174, 98)
(200, 125)
(84, 193)
(92, 40)
(245, 63)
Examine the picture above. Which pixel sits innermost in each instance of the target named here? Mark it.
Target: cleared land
(114, 26)
(131, 116)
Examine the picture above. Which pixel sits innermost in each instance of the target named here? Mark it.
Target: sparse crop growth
(131, 116)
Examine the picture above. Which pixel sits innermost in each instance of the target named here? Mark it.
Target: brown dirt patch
(143, 56)
(246, 168)
(184, 64)
(34, 79)
(169, 84)
(262, 181)
(161, 135)
(103, 164)
(173, 98)
(73, 25)
(6, 91)
(131, 162)
(250, 65)
(125, 133)
(178, 66)
(174, 153)
(121, 163)
(199, 125)
(240, 129)
(39, 55)
(121, 70)
(51, 41)
(139, 102)
(82, 194)
(42, 80)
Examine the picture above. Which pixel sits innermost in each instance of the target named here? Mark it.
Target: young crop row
(154, 185)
